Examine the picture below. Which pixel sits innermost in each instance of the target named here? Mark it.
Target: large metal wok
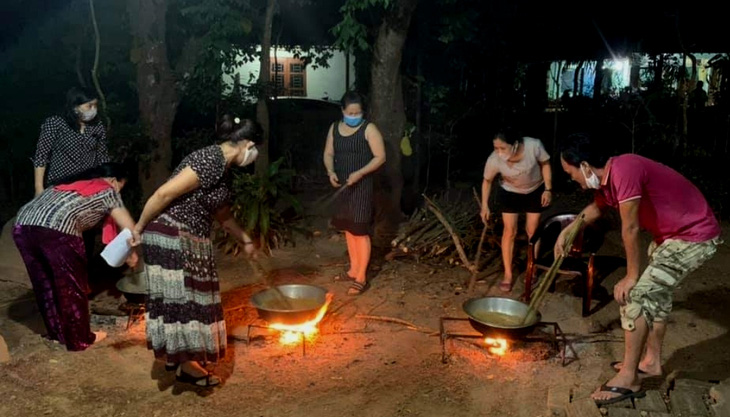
(498, 316)
(302, 303)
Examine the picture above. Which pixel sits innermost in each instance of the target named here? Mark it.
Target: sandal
(207, 380)
(357, 288)
(343, 277)
(505, 286)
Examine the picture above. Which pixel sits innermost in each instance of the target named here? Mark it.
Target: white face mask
(592, 182)
(507, 155)
(87, 116)
(249, 156)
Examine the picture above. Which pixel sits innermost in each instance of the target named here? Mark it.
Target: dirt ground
(356, 366)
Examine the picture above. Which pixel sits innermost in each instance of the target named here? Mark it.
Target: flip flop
(343, 277)
(357, 288)
(625, 394)
(615, 368)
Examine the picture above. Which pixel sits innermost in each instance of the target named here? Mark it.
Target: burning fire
(497, 346)
(291, 334)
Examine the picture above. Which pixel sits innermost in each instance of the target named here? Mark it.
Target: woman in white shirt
(525, 186)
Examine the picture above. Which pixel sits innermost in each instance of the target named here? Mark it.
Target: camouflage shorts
(669, 263)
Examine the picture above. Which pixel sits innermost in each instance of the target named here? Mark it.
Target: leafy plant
(265, 207)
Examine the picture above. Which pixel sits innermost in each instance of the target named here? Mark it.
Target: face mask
(507, 155)
(352, 121)
(249, 156)
(87, 116)
(592, 182)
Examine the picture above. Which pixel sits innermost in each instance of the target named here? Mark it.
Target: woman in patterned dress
(184, 315)
(354, 150)
(48, 235)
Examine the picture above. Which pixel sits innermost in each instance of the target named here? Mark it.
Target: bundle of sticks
(425, 236)
(545, 283)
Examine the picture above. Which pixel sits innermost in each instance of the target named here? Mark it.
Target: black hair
(580, 147)
(508, 134)
(75, 97)
(235, 130)
(106, 170)
(352, 97)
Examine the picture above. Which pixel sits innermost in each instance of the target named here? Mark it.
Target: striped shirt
(65, 151)
(67, 211)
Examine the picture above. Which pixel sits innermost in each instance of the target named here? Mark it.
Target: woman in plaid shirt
(71, 143)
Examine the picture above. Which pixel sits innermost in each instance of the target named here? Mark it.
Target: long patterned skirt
(56, 264)
(184, 315)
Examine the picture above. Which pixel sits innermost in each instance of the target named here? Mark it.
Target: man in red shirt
(656, 198)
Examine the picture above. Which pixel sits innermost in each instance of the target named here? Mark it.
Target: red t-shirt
(671, 207)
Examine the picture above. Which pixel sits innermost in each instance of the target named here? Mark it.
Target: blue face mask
(352, 121)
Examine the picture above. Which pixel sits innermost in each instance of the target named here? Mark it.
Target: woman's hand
(136, 238)
(132, 259)
(547, 197)
(354, 178)
(485, 213)
(334, 180)
(560, 242)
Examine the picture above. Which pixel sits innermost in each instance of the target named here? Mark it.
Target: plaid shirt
(66, 151)
(67, 211)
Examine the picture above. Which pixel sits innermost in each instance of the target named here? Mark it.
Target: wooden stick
(386, 319)
(473, 277)
(457, 242)
(552, 273)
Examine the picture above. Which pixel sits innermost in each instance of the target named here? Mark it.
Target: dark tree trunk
(262, 106)
(156, 87)
(387, 111)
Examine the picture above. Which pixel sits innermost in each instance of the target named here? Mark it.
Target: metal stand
(556, 337)
(134, 312)
(304, 339)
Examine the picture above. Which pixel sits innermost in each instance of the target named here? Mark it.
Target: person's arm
(124, 220)
(43, 154)
(38, 174)
(224, 216)
(547, 176)
(182, 183)
(629, 211)
(329, 158)
(592, 212)
(377, 147)
(486, 190)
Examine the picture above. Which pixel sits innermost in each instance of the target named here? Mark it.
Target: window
(289, 76)
(297, 81)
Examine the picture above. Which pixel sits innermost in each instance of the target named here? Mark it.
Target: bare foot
(644, 371)
(100, 335)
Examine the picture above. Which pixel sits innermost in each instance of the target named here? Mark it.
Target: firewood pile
(425, 237)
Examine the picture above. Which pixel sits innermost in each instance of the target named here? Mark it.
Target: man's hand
(622, 288)
(560, 242)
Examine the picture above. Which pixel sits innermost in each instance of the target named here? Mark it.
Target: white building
(295, 79)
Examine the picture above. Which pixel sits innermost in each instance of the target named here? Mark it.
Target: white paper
(117, 251)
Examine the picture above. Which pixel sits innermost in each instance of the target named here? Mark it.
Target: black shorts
(509, 202)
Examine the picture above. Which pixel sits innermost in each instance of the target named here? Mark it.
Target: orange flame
(497, 346)
(292, 334)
